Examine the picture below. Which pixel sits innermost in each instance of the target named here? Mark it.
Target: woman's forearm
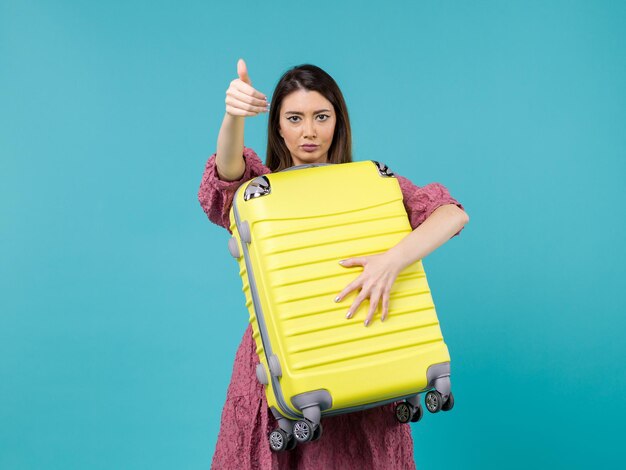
(437, 229)
(229, 159)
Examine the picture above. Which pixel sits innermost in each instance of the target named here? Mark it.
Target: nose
(309, 129)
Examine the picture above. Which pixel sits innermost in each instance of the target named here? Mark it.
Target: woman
(308, 123)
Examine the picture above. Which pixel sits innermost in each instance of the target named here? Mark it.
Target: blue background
(121, 310)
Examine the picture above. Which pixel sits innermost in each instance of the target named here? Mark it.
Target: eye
(291, 118)
(325, 116)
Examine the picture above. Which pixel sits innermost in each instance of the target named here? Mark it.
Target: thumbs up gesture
(241, 98)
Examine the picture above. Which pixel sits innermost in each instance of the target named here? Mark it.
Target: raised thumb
(242, 71)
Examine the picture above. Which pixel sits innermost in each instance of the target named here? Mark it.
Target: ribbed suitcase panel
(301, 278)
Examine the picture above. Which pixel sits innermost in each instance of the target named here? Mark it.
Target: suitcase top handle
(382, 168)
(306, 165)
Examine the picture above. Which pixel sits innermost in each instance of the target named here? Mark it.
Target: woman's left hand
(379, 273)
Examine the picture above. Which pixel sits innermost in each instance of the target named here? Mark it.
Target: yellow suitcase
(290, 229)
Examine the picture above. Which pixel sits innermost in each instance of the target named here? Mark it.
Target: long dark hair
(312, 78)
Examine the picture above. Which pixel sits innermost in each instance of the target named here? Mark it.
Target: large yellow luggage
(290, 229)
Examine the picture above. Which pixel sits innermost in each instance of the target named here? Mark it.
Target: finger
(242, 71)
(242, 86)
(235, 103)
(244, 97)
(374, 299)
(349, 262)
(386, 296)
(349, 288)
(357, 302)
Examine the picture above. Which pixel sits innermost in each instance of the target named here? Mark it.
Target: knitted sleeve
(216, 195)
(420, 202)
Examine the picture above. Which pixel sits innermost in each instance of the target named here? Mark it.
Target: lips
(309, 148)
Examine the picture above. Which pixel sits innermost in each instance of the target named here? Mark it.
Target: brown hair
(312, 78)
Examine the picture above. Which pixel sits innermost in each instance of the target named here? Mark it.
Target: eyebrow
(302, 114)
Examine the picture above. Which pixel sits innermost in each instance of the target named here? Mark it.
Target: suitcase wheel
(449, 404)
(292, 443)
(403, 412)
(434, 401)
(317, 433)
(279, 441)
(303, 430)
(418, 414)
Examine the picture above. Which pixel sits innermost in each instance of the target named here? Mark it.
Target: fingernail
(348, 315)
(367, 322)
(342, 261)
(337, 299)
(383, 318)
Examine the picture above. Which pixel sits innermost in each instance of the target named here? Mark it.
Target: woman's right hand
(241, 98)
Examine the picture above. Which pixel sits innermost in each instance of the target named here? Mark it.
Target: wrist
(398, 259)
(233, 119)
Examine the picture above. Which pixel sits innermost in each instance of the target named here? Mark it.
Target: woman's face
(307, 123)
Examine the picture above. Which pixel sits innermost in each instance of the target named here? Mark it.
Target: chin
(312, 157)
